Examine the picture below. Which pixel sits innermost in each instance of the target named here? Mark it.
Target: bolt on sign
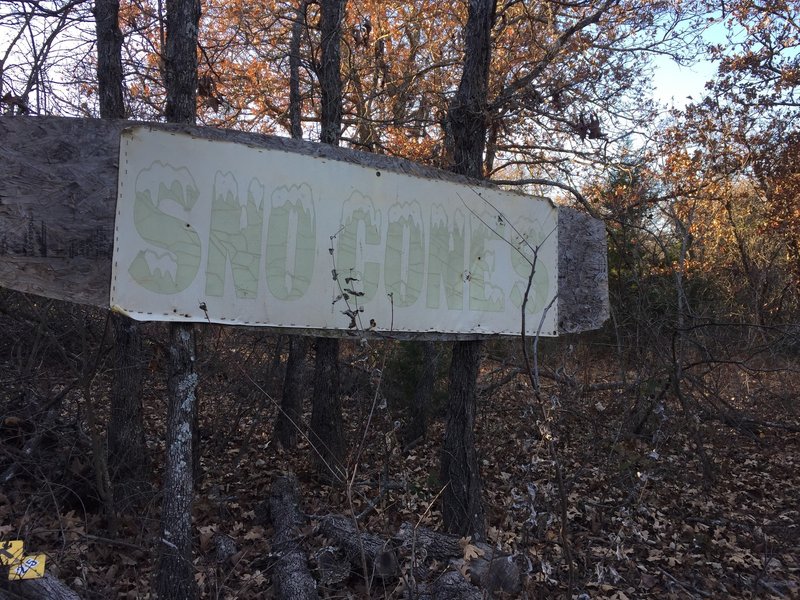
(180, 223)
(210, 230)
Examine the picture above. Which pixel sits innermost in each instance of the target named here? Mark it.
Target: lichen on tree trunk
(291, 576)
(175, 578)
(175, 569)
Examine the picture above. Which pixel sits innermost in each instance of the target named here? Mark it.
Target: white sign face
(228, 233)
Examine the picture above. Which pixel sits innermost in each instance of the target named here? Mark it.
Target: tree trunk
(330, 80)
(289, 417)
(326, 412)
(381, 559)
(47, 587)
(175, 577)
(291, 413)
(127, 457)
(416, 539)
(327, 435)
(127, 452)
(467, 114)
(490, 569)
(450, 586)
(291, 576)
(295, 99)
(109, 59)
(462, 509)
(128, 462)
(180, 60)
(175, 569)
(423, 394)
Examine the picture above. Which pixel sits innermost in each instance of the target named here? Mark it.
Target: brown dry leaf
(647, 581)
(255, 533)
(463, 568)
(471, 552)
(206, 533)
(128, 560)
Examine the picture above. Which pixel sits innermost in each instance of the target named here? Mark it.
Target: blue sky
(672, 84)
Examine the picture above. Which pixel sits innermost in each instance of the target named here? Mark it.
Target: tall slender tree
(127, 451)
(462, 507)
(110, 81)
(327, 430)
(175, 569)
(286, 427)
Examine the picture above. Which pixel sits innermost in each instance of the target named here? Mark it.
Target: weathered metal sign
(229, 233)
(235, 227)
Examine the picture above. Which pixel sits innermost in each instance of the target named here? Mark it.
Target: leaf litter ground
(642, 520)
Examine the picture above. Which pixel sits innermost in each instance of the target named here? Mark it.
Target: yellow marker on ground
(11, 552)
(19, 566)
(30, 567)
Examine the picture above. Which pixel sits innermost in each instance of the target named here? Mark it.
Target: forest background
(656, 457)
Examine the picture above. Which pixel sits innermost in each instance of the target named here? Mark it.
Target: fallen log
(44, 588)
(489, 569)
(425, 543)
(450, 586)
(291, 577)
(381, 560)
